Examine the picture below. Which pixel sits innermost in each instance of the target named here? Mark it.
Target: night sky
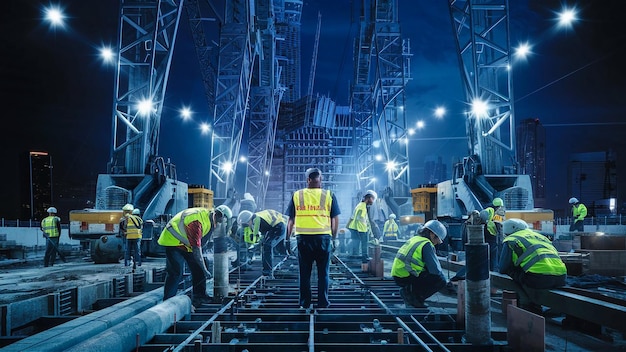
(60, 95)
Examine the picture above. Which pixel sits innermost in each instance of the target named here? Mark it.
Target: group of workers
(312, 216)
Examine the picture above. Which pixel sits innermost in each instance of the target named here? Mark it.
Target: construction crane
(309, 98)
(490, 170)
(381, 73)
(136, 173)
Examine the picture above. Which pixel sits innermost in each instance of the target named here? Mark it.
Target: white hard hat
(573, 200)
(372, 193)
(225, 211)
(136, 211)
(244, 217)
(128, 207)
(513, 225)
(52, 210)
(392, 216)
(437, 228)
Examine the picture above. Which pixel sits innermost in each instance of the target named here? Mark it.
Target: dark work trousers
(360, 240)
(133, 248)
(422, 286)
(492, 241)
(577, 226)
(528, 283)
(314, 248)
(273, 237)
(52, 243)
(175, 259)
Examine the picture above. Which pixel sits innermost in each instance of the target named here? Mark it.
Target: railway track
(366, 313)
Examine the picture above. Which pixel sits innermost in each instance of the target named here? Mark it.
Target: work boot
(410, 300)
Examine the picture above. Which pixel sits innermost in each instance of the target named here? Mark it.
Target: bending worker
(390, 229)
(182, 239)
(416, 268)
(51, 227)
(579, 211)
(531, 260)
(493, 217)
(272, 226)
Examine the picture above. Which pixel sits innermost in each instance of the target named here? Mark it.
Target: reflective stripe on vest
(312, 211)
(408, 260)
(360, 219)
(133, 227)
(535, 253)
(390, 229)
(175, 234)
(49, 226)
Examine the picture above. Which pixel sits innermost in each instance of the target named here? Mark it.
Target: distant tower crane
(309, 97)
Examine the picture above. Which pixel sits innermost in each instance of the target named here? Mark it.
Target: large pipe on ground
(477, 288)
(139, 329)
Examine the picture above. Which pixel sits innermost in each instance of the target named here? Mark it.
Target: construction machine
(136, 174)
(490, 170)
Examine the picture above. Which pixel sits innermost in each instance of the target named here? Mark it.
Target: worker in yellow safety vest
(131, 230)
(51, 227)
(390, 229)
(182, 239)
(271, 226)
(531, 260)
(362, 226)
(416, 268)
(314, 219)
(492, 217)
(579, 212)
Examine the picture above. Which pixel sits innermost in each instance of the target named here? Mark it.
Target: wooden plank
(525, 331)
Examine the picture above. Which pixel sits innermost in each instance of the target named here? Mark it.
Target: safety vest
(175, 234)
(49, 226)
(271, 217)
(360, 219)
(579, 212)
(251, 237)
(408, 260)
(390, 230)
(312, 211)
(534, 253)
(134, 226)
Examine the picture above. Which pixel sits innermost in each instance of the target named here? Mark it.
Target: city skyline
(58, 87)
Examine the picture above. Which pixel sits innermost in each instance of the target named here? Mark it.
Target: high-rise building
(435, 170)
(36, 185)
(531, 155)
(592, 178)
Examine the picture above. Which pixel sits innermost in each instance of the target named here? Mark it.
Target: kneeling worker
(531, 260)
(416, 268)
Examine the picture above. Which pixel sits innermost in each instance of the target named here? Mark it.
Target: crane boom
(309, 98)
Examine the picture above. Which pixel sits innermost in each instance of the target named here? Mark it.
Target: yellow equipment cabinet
(200, 197)
(425, 200)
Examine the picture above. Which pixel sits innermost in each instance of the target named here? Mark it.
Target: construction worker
(416, 268)
(51, 228)
(579, 211)
(362, 226)
(314, 218)
(531, 260)
(182, 239)
(492, 217)
(131, 228)
(271, 226)
(390, 229)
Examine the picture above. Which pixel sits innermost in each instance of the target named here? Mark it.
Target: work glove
(334, 245)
